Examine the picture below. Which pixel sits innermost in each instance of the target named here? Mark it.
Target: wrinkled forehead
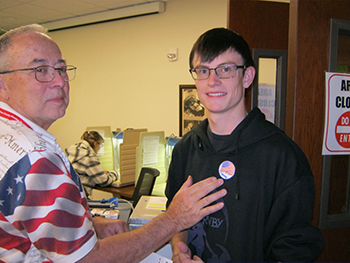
(31, 49)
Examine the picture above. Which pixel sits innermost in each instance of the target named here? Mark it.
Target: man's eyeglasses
(47, 73)
(223, 72)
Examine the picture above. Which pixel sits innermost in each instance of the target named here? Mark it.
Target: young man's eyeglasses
(223, 71)
(47, 73)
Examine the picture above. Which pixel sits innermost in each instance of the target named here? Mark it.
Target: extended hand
(191, 202)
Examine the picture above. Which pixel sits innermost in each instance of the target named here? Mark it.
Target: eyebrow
(222, 64)
(36, 61)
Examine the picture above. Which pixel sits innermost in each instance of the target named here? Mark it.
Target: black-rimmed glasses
(47, 73)
(223, 72)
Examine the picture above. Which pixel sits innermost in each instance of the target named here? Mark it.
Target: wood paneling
(309, 65)
(262, 24)
(302, 27)
(312, 20)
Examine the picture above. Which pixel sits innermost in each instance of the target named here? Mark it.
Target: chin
(57, 114)
(61, 114)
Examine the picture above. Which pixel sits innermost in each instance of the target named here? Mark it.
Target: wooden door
(302, 27)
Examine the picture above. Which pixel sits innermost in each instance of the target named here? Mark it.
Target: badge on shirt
(227, 170)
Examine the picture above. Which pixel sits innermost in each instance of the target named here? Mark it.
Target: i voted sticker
(227, 170)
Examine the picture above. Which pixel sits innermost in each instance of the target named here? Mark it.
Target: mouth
(216, 94)
(58, 99)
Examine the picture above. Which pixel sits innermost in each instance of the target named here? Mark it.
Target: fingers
(184, 248)
(197, 259)
(124, 226)
(207, 185)
(203, 204)
(183, 258)
(187, 183)
(210, 209)
(185, 252)
(192, 202)
(198, 198)
(199, 190)
(202, 188)
(119, 226)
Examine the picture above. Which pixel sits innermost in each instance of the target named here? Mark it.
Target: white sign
(336, 139)
(267, 101)
(150, 150)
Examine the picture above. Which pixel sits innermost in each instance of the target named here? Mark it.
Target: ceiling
(15, 13)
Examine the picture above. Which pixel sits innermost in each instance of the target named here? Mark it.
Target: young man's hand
(184, 255)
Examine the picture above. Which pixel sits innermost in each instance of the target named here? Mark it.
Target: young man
(270, 188)
(44, 215)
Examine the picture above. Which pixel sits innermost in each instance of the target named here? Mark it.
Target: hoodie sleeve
(292, 237)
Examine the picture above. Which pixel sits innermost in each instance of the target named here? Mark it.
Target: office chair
(145, 183)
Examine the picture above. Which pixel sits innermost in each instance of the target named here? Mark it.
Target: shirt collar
(14, 115)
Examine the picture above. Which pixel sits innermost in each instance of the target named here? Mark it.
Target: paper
(158, 203)
(156, 258)
(150, 150)
(146, 210)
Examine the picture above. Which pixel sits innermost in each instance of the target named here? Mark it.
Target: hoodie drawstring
(236, 163)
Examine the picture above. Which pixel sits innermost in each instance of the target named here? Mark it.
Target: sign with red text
(336, 139)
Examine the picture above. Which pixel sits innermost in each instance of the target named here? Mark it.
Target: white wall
(124, 79)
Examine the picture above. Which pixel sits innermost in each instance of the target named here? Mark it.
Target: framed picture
(192, 111)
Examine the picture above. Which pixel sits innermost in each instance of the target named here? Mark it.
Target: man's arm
(106, 227)
(189, 206)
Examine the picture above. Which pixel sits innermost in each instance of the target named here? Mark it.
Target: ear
(3, 90)
(249, 75)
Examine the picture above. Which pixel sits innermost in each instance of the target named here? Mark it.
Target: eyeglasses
(223, 72)
(47, 73)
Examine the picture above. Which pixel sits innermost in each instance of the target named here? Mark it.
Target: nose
(213, 79)
(58, 81)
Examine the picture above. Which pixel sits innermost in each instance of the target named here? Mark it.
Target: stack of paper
(146, 209)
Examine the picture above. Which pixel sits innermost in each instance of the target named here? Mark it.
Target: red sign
(342, 130)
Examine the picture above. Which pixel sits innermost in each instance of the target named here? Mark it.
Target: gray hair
(6, 39)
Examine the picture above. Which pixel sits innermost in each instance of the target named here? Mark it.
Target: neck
(222, 124)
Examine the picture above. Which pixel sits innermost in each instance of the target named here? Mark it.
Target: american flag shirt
(44, 215)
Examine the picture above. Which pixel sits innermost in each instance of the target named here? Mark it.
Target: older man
(43, 210)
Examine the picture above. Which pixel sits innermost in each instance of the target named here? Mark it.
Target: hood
(252, 129)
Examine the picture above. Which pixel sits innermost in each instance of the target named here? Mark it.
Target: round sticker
(227, 170)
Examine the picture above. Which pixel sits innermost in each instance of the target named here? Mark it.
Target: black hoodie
(268, 208)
